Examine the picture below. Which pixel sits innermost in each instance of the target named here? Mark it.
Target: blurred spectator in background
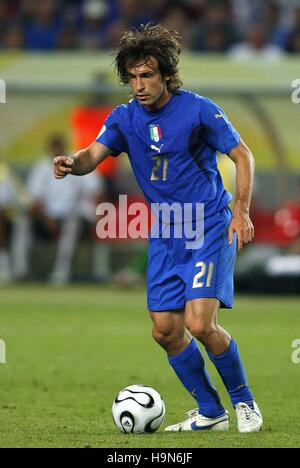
(244, 12)
(256, 44)
(214, 31)
(68, 38)
(136, 12)
(179, 17)
(198, 7)
(59, 211)
(132, 13)
(294, 42)
(13, 202)
(275, 20)
(13, 37)
(277, 15)
(293, 45)
(7, 197)
(3, 20)
(93, 30)
(44, 28)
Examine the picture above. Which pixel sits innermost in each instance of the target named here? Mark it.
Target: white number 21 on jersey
(202, 273)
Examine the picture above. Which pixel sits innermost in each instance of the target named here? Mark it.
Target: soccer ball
(138, 409)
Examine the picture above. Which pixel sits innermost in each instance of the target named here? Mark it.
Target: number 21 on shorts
(205, 271)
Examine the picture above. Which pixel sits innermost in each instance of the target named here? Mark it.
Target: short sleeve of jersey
(219, 132)
(111, 136)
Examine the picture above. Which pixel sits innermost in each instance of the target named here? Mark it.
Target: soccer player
(172, 137)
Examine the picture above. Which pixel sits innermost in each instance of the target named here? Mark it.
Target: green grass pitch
(69, 351)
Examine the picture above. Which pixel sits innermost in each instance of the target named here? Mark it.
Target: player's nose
(140, 85)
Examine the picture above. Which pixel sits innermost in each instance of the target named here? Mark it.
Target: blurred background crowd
(237, 27)
(37, 210)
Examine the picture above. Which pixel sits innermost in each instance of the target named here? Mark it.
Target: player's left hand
(242, 225)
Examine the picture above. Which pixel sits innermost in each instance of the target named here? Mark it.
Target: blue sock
(231, 370)
(189, 367)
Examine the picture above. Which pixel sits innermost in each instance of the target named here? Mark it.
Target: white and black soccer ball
(138, 409)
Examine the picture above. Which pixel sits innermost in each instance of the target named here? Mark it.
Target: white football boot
(248, 419)
(198, 422)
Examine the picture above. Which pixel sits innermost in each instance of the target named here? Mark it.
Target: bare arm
(241, 222)
(83, 162)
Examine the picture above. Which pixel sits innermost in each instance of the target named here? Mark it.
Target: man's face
(147, 84)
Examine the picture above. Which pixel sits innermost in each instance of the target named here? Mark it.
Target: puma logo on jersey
(156, 148)
(219, 116)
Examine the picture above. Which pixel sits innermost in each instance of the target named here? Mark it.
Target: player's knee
(162, 337)
(166, 338)
(203, 331)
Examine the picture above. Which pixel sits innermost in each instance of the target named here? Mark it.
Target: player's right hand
(63, 165)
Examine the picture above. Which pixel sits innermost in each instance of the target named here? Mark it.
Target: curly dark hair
(152, 40)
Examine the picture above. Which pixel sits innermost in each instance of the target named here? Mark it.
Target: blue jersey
(173, 150)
